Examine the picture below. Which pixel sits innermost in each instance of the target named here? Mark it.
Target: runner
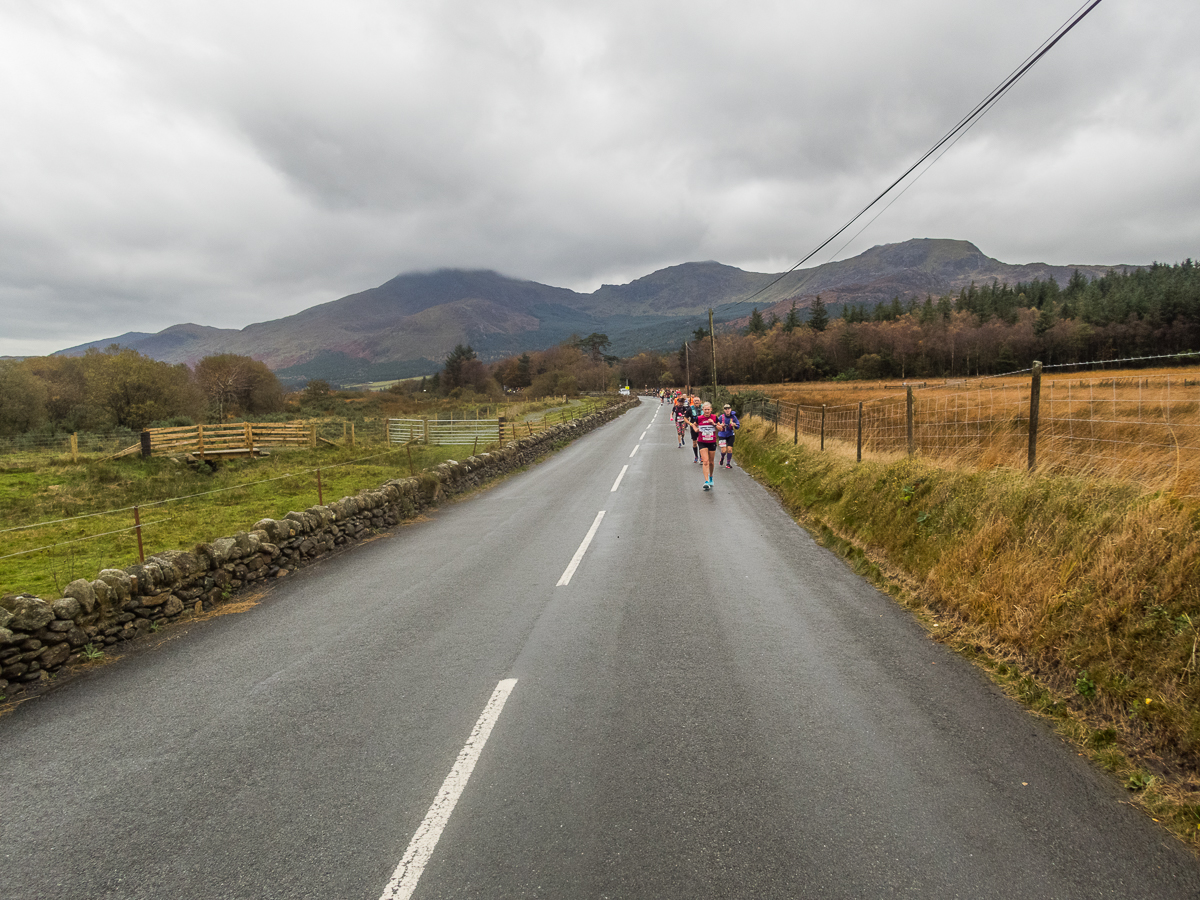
(727, 424)
(706, 431)
(677, 414)
(693, 413)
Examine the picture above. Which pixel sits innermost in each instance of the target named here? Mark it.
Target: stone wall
(39, 637)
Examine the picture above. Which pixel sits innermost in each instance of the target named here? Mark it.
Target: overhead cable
(950, 137)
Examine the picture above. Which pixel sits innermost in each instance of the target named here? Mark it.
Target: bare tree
(224, 378)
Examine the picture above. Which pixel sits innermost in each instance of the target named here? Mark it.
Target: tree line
(578, 364)
(121, 388)
(985, 330)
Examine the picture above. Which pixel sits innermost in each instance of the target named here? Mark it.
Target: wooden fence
(208, 441)
(475, 432)
(445, 432)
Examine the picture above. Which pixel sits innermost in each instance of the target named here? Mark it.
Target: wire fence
(1144, 429)
(15, 450)
(44, 555)
(26, 449)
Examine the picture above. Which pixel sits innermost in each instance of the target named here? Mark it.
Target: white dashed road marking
(575, 560)
(617, 483)
(412, 864)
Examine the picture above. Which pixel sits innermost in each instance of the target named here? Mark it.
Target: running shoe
(729, 465)
(707, 486)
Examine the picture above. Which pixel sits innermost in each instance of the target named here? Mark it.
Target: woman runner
(727, 424)
(692, 411)
(706, 439)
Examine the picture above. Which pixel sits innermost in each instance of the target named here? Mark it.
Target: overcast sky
(225, 162)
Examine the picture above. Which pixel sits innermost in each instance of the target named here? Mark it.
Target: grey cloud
(227, 162)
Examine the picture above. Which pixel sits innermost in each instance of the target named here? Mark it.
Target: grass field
(63, 519)
(178, 506)
(1143, 428)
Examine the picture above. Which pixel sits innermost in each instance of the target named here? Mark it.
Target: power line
(949, 138)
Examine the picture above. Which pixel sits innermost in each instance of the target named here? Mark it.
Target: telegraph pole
(712, 337)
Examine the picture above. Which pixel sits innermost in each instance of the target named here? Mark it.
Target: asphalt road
(712, 706)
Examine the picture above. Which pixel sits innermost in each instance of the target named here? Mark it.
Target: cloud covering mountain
(408, 324)
(228, 162)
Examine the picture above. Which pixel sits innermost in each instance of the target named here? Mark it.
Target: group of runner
(709, 433)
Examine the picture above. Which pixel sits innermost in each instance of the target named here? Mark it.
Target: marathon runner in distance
(677, 415)
(693, 413)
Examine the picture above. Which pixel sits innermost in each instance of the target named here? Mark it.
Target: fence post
(909, 416)
(74, 447)
(860, 431)
(320, 489)
(351, 434)
(1035, 397)
(249, 437)
(145, 447)
(312, 435)
(426, 438)
(500, 428)
(796, 426)
(412, 470)
(137, 526)
(822, 426)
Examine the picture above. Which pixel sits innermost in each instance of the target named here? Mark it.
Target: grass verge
(1080, 597)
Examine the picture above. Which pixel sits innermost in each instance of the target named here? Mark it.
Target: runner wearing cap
(727, 424)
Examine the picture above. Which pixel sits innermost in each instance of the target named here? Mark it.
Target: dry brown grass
(1143, 428)
(1081, 593)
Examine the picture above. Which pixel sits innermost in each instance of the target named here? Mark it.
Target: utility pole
(712, 337)
(687, 358)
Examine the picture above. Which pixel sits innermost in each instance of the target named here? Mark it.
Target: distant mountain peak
(414, 319)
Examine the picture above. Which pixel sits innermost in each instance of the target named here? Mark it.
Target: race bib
(708, 432)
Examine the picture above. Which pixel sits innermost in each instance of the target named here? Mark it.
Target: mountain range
(407, 325)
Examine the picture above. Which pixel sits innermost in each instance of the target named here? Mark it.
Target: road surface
(520, 697)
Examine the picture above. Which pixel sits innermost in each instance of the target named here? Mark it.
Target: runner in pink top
(706, 440)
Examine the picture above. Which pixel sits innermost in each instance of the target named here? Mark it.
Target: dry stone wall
(40, 637)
